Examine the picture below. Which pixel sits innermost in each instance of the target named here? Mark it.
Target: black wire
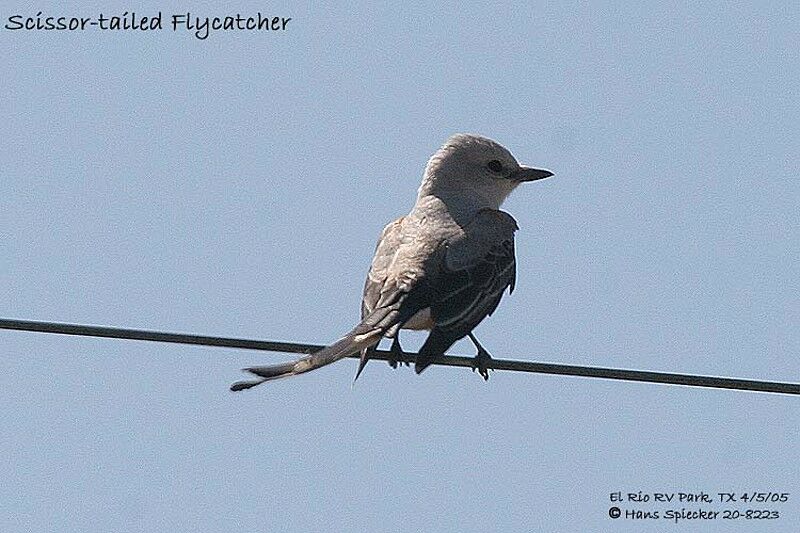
(445, 360)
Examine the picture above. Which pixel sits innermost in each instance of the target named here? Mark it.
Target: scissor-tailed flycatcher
(443, 267)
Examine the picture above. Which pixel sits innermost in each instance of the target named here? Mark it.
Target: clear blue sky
(236, 186)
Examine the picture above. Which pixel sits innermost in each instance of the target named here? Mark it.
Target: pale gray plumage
(443, 267)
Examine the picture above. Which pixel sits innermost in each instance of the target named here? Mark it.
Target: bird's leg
(481, 359)
(397, 353)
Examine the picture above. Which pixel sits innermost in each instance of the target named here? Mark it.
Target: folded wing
(477, 268)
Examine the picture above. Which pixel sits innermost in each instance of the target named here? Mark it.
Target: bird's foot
(481, 362)
(397, 355)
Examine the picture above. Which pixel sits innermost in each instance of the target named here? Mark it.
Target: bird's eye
(495, 166)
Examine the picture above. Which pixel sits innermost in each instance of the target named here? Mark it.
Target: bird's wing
(396, 290)
(476, 269)
(386, 251)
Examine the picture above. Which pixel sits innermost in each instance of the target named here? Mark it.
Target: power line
(385, 355)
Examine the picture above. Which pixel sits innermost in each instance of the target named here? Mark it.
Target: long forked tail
(361, 337)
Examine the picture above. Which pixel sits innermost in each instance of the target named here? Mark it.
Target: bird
(443, 267)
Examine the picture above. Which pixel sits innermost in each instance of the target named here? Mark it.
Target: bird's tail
(363, 336)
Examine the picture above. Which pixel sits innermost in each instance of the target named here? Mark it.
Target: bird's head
(476, 168)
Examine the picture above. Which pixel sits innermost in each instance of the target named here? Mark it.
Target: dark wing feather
(470, 287)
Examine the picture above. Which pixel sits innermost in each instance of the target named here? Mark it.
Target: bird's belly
(421, 320)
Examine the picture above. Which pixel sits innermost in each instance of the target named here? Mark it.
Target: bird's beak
(530, 174)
